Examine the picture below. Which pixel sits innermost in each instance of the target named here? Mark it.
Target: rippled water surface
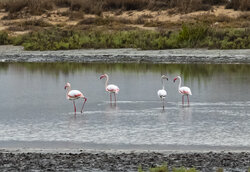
(34, 108)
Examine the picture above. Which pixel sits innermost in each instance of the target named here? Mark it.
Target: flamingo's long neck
(107, 80)
(68, 90)
(162, 84)
(180, 83)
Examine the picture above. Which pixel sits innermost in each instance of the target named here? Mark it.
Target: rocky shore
(17, 54)
(104, 161)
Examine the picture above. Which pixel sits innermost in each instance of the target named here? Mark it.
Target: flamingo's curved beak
(65, 87)
(175, 79)
(102, 76)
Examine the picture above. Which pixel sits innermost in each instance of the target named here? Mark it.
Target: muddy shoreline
(104, 161)
(17, 54)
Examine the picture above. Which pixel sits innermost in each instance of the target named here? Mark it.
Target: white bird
(185, 91)
(162, 93)
(73, 95)
(110, 88)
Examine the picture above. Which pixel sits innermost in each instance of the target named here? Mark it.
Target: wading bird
(110, 88)
(185, 91)
(162, 93)
(73, 95)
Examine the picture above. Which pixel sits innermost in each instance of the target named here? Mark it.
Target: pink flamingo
(110, 88)
(185, 91)
(73, 95)
(162, 93)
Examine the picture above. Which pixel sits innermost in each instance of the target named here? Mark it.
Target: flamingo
(110, 88)
(73, 95)
(162, 93)
(185, 91)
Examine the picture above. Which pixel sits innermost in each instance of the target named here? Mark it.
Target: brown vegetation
(34, 7)
(243, 5)
(164, 18)
(37, 7)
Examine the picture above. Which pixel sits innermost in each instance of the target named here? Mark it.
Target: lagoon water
(34, 109)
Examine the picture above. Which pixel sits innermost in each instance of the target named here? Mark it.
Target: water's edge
(17, 54)
(74, 147)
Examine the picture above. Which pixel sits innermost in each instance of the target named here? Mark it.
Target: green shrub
(4, 39)
(18, 40)
(220, 170)
(163, 168)
(182, 169)
(140, 169)
(190, 35)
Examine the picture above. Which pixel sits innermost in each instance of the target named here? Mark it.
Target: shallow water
(34, 108)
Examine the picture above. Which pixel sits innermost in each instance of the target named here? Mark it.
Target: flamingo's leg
(183, 100)
(188, 99)
(74, 106)
(163, 103)
(115, 97)
(85, 99)
(110, 97)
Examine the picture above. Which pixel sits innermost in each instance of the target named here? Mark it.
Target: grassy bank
(141, 24)
(190, 36)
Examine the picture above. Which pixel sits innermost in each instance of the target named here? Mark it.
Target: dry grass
(37, 7)
(224, 21)
(73, 13)
(100, 21)
(31, 24)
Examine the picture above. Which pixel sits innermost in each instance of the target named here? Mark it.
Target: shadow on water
(188, 71)
(4, 66)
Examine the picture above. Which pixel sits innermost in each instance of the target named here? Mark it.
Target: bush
(215, 2)
(4, 39)
(14, 5)
(192, 34)
(63, 3)
(18, 40)
(125, 4)
(164, 168)
(32, 22)
(243, 5)
(35, 7)
(220, 170)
